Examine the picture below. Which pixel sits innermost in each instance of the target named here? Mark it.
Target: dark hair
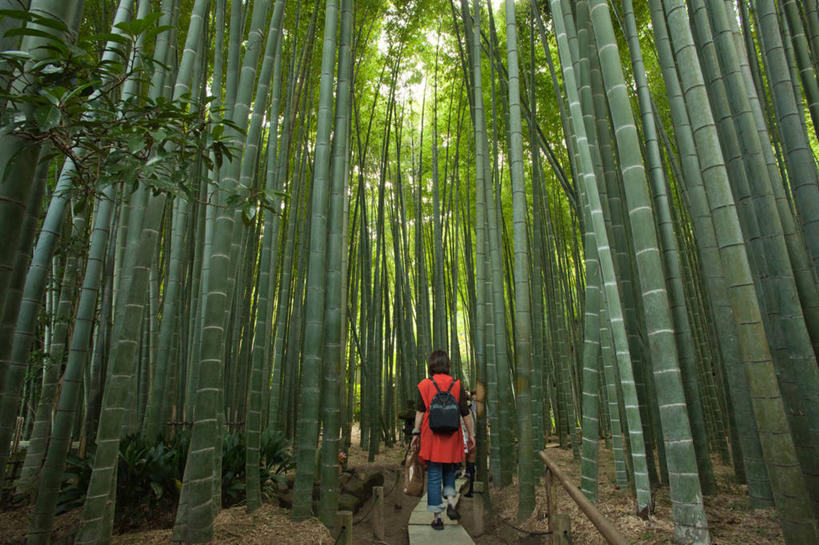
(438, 362)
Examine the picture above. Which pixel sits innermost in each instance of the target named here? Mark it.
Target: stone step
(451, 535)
(420, 515)
(423, 517)
(421, 533)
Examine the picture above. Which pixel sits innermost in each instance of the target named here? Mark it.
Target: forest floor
(730, 519)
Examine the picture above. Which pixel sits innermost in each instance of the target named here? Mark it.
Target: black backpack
(444, 415)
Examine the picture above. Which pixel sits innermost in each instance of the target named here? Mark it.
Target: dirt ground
(730, 519)
(14, 524)
(268, 525)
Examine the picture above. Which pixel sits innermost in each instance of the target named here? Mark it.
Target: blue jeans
(439, 475)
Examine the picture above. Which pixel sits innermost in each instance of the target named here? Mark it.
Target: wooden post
(344, 528)
(478, 508)
(603, 525)
(378, 512)
(560, 528)
(551, 508)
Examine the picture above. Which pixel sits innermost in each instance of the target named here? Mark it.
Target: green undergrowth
(149, 476)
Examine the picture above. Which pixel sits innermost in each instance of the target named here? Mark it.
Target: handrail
(603, 525)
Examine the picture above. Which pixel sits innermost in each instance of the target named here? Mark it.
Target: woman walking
(441, 404)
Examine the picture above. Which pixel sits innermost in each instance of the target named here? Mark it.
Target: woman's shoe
(452, 513)
(437, 524)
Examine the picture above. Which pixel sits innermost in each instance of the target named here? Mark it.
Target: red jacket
(439, 447)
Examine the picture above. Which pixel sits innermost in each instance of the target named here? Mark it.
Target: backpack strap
(451, 384)
(436, 385)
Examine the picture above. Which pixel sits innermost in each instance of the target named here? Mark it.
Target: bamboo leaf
(31, 32)
(20, 14)
(136, 143)
(249, 213)
(47, 117)
(139, 26)
(13, 54)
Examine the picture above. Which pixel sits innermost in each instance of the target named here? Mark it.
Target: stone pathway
(421, 533)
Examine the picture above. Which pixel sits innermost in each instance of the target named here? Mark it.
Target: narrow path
(421, 533)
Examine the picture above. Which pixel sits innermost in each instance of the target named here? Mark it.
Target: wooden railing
(603, 525)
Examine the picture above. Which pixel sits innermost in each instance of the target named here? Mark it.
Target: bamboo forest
(232, 232)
